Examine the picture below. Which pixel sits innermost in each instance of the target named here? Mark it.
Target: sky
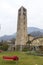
(9, 14)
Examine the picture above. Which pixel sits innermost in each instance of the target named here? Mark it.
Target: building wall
(21, 37)
(37, 43)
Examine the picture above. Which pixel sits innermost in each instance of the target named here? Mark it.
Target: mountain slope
(35, 31)
(30, 30)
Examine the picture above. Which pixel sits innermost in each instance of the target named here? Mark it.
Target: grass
(24, 59)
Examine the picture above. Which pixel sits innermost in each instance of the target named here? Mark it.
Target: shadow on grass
(10, 62)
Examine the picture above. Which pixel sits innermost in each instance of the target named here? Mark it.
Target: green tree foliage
(5, 46)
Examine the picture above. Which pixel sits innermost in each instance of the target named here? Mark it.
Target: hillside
(30, 30)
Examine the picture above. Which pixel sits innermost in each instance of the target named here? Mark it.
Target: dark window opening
(24, 9)
(24, 13)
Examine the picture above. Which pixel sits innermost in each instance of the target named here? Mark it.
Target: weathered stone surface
(21, 37)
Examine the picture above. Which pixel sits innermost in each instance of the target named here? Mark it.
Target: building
(21, 37)
(37, 43)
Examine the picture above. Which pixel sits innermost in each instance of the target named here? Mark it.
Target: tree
(13, 41)
(5, 46)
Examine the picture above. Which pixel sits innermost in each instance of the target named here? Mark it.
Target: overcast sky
(9, 13)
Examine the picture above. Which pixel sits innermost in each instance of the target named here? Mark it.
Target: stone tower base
(22, 48)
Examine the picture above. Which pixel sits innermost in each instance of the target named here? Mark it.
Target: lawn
(24, 59)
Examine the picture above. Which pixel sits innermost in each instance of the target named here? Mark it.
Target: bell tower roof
(22, 8)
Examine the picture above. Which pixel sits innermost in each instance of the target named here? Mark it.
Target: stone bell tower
(21, 37)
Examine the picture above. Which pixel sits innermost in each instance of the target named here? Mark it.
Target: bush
(5, 47)
(26, 48)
